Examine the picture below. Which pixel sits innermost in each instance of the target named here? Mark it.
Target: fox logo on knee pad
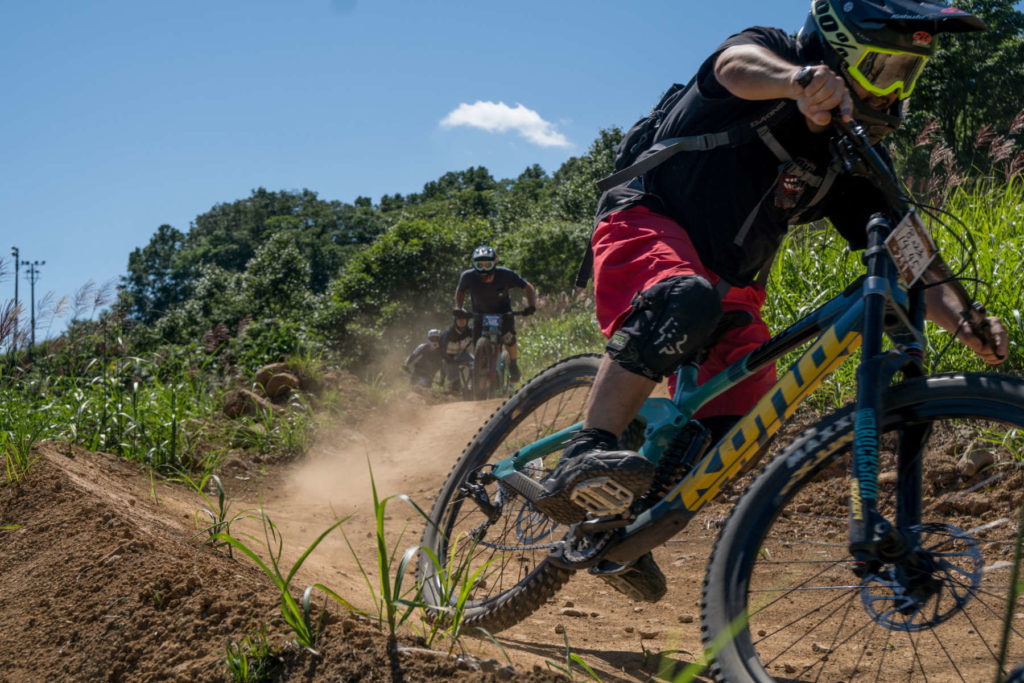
(677, 349)
(670, 321)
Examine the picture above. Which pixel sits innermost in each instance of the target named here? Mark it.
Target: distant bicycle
(491, 358)
(460, 368)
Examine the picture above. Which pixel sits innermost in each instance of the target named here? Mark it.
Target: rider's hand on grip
(821, 94)
(529, 310)
(986, 336)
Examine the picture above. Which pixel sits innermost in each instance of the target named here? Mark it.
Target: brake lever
(977, 320)
(972, 313)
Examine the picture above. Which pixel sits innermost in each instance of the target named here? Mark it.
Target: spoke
(790, 589)
(786, 626)
(949, 658)
(832, 645)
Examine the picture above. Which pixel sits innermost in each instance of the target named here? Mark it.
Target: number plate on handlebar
(911, 247)
(492, 321)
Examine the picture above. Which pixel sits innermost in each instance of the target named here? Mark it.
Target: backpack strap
(787, 167)
(586, 267)
(663, 150)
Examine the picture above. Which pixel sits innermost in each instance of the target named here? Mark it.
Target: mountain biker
(425, 360)
(677, 252)
(455, 343)
(488, 285)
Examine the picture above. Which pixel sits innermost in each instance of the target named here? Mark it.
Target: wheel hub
(929, 585)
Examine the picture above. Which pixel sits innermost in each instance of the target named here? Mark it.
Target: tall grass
(164, 416)
(394, 600)
(299, 616)
(983, 240)
(562, 327)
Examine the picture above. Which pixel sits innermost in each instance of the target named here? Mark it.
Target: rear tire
(518, 580)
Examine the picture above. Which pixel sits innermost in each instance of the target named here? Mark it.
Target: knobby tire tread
(984, 395)
(517, 603)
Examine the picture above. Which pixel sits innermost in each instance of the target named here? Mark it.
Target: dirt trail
(104, 578)
(411, 452)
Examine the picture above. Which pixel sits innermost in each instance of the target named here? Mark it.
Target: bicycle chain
(498, 546)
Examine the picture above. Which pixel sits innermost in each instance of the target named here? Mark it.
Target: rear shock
(685, 450)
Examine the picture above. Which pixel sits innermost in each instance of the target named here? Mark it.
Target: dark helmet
(484, 259)
(882, 45)
(461, 314)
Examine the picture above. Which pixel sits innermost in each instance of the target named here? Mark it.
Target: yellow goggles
(881, 71)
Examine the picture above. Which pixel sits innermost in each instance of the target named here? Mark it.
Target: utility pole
(16, 253)
(33, 276)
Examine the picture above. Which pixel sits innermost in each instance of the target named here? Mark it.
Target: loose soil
(105, 577)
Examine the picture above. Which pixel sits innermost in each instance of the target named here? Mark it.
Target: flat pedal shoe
(601, 483)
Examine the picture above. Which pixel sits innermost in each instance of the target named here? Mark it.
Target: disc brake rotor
(912, 596)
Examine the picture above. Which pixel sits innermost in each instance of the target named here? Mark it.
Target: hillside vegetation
(286, 275)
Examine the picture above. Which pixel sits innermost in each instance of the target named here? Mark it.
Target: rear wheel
(479, 524)
(781, 600)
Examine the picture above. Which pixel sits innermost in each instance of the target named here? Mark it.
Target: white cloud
(501, 118)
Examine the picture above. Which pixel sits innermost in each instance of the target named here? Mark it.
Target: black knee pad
(670, 321)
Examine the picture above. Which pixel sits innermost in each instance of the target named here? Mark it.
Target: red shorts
(636, 248)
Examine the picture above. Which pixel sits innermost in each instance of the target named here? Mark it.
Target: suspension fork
(870, 535)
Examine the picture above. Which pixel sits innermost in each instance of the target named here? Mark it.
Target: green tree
(547, 253)
(575, 187)
(524, 200)
(156, 277)
(974, 79)
(276, 280)
(401, 283)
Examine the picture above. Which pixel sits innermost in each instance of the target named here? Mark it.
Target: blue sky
(118, 116)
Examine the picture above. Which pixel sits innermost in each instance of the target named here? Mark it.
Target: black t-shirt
(493, 296)
(711, 194)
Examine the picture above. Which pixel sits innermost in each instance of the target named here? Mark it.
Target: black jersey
(712, 194)
(493, 296)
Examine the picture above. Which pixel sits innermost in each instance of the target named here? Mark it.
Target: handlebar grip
(978, 322)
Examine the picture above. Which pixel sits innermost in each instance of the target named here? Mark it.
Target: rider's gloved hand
(406, 368)
(529, 310)
(992, 356)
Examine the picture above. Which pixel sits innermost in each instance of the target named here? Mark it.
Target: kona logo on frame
(754, 430)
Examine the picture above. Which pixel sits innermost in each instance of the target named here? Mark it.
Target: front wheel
(780, 600)
(481, 531)
(504, 381)
(483, 370)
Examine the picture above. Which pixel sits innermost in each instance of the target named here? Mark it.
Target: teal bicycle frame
(835, 327)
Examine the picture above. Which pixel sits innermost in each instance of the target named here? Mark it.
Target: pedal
(602, 497)
(607, 568)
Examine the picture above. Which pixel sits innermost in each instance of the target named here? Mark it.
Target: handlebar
(854, 149)
(503, 315)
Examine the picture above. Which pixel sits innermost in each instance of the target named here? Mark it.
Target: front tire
(780, 601)
(518, 579)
